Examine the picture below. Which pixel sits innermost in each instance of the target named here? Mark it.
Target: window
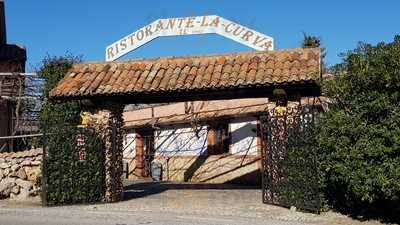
(218, 138)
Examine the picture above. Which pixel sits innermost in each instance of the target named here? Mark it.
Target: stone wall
(20, 174)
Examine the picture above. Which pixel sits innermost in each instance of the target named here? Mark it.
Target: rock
(293, 208)
(13, 174)
(15, 189)
(6, 172)
(39, 158)
(15, 167)
(34, 191)
(4, 165)
(2, 160)
(21, 174)
(5, 187)
(11, 179)
(26, 162)
(32, 173)
(24, 184)
(35, 163)
(24, 193)
(1, 174)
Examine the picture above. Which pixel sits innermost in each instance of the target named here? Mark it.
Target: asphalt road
(70, 216)
(167, 203)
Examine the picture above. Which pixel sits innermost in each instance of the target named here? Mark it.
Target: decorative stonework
(20, 174)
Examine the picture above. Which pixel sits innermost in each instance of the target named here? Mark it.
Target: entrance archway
(108, 86)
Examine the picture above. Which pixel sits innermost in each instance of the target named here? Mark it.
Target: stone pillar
(108, 123)
(114, 155)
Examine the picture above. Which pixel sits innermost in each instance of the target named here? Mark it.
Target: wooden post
(139, 155)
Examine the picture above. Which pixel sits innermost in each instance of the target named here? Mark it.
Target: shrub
(359, 137)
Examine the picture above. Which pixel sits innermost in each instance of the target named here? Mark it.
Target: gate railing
(290, 176)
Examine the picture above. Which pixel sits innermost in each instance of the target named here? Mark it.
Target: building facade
(203, 141)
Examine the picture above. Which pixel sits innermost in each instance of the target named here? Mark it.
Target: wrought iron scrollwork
(289, 161)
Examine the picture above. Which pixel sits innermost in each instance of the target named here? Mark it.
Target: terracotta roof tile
(128, 80)
(251, 76)
(150, 78)
(216, 75)
(270, 64)
(241, 77)
(174, 78)
(206, 79)
(191, 77)
(181, 78)
(165, 79)
(259, 76)
(244, 67)
(198, 78)
(221, 60)
(190, 73)
(236, 68)
(132, 83)
(119, 83)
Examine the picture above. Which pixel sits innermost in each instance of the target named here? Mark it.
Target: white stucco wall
(180, 142)
(243, 136)
(129, 144)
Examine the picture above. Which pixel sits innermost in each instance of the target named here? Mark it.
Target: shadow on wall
(223, 169)
(189, 172)
(188, 161)
(249, 179)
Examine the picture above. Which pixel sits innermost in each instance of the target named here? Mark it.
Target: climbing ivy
(73, 164)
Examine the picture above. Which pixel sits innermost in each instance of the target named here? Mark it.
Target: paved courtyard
(166, 203)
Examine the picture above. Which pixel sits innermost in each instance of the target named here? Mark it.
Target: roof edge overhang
(202, 121)
(293, 90)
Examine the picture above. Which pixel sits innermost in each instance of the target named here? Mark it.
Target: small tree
(310, 41)
(359, 137)
(53, 69)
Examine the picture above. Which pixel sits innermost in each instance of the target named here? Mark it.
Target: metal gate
(289, 176)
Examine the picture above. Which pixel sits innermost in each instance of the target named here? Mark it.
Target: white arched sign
(189, 26)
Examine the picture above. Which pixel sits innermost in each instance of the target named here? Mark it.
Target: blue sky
(86, 27)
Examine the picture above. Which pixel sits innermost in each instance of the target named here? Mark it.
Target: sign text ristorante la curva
(189, 26)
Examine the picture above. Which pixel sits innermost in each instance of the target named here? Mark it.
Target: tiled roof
(187, 74)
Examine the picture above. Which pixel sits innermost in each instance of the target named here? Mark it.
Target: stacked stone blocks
(20, 174)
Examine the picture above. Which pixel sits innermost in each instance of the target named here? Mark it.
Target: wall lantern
(280, 98)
